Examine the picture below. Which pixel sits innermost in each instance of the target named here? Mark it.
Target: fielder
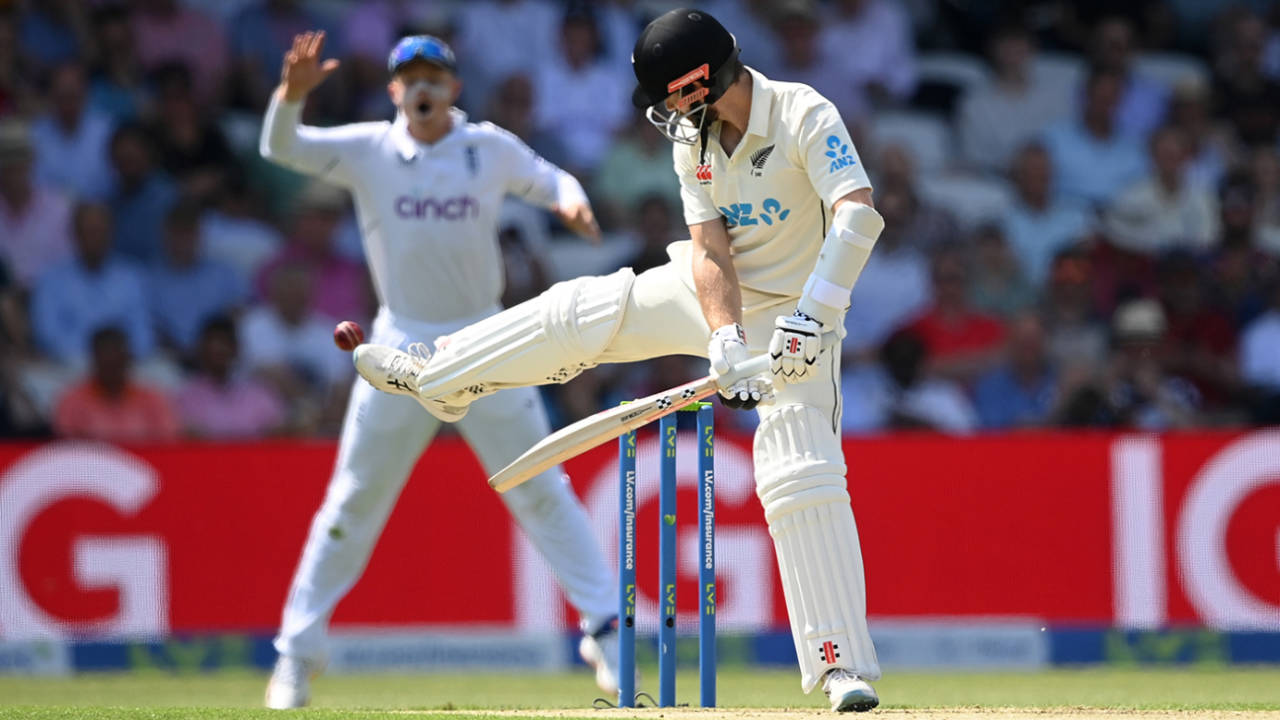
(427, 191)
(781, 224)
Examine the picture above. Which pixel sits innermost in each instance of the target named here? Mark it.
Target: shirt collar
(407, 147)
(761, 104)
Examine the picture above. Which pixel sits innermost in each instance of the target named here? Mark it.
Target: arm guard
(845, 250)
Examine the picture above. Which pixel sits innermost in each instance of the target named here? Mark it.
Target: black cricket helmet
(684, 61)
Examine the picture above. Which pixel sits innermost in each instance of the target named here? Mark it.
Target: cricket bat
(591, 431)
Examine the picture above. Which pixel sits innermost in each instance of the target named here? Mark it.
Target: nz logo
(703, 174)
(742, 214)
(758, 159)
(838, 151)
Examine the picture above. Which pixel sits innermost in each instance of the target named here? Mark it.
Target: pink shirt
(37, 238)
(340, 287)
(239, 409)
(189, 36)
(140, 415)
(370, 28)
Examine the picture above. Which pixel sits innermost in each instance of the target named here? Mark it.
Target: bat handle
(757, 365)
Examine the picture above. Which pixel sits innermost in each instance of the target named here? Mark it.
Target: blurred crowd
(1082, 204)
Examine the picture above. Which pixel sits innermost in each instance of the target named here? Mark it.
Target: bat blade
(581, 436)
(606, 425)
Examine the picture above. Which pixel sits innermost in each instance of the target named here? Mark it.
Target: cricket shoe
(396, 372)
(600, 651)
(847, 691)
(290, 684)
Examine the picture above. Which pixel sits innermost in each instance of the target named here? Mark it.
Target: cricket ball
(347, 335)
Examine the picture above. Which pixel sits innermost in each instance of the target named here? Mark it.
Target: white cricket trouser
(382, 437)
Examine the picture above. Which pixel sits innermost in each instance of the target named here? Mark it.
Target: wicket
(667, 435)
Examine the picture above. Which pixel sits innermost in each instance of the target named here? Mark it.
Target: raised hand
(302, 71)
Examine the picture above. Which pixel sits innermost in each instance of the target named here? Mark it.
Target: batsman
(781, 223)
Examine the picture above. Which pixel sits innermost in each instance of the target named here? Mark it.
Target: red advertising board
(1134, 531)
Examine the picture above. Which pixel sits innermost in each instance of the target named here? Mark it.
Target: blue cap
(422, 47)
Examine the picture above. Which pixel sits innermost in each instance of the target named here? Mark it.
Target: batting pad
(800, 482)
(547, 339)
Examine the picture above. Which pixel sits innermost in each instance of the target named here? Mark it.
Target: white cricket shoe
(290, 684)
(396, 372)
(847, 691)
(601, 652)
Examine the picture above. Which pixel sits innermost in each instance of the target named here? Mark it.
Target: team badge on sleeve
(838, 152)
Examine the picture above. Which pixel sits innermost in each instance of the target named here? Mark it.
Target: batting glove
(728, 348)
(794, 347)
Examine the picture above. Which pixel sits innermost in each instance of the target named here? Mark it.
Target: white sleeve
(698, 205)
(531, 178)
(828, 155)
(327, 153)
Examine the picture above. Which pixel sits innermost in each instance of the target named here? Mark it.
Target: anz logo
(743, 214)
(838, 152)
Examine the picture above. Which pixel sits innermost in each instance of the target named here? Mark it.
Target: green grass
(239, 694)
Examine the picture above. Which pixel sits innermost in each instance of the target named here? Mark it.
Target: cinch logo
(839, 154)
(703, 173)
(462, 207)
(771, 211)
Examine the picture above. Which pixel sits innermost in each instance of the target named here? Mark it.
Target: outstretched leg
(547, 339)
(552, 338)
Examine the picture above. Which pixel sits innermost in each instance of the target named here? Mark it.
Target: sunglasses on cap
(422, 47)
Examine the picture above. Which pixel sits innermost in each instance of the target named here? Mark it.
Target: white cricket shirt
(428, 213)
(775, 192)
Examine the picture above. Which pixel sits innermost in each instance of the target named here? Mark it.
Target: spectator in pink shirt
(166, 31)
(219, 403)
(343, 283)
(35, 220)
(109, 405)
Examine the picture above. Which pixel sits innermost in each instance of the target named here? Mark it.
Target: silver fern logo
(759, 158)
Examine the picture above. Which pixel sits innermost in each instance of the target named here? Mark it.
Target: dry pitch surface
(957, 713)
(897, 714)
(1107, 694)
